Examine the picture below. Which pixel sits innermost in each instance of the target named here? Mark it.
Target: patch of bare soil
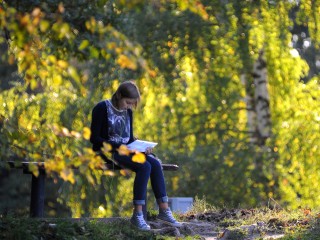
(227, 225)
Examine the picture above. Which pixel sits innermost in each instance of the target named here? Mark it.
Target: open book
(141, 146)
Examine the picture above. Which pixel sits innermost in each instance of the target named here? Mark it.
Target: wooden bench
(38, 184)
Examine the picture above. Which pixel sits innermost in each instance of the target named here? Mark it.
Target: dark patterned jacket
(99, 127)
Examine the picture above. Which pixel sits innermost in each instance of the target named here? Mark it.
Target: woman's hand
(148, 150)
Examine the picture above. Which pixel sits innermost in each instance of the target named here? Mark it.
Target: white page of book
(140, 145)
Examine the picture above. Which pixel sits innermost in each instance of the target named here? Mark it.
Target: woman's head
(126, 96)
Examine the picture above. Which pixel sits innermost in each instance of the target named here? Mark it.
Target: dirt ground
(227, 224)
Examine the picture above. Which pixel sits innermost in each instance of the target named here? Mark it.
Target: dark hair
(127, 89)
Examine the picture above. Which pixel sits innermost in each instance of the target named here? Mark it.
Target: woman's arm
(132, 138)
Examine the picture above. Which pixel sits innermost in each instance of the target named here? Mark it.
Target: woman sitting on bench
(112, 123)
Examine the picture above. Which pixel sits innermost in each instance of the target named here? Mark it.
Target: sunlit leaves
(27, 43)
(91, 24)
(44, 25)
(62, 64)
(125, 172)
(297, 144)
(109, 173)
(194, 6)
(125, 62)
(34, 169)
(136, 156)
(106, 147)
(67, 175)
(139, 158)
(56, 74)
(85, 43)
(74, 74)
(123, 150)
(308, 15)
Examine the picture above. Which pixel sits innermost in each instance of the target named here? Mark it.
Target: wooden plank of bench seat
(165, 167)
(110, 166)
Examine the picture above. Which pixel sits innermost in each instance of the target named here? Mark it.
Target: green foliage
(307, 15)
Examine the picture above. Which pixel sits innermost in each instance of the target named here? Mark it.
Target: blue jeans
(152, 169)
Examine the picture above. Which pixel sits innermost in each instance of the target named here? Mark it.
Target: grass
(300, 224)
(311, 233)
(200, 205)
(295, 225)
(26, 228)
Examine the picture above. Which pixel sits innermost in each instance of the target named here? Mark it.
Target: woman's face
(127, 103)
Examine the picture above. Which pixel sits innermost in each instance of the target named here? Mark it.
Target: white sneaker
(165, 216)
(138, 221)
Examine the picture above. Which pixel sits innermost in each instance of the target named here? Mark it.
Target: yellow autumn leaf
(125, 62)
(139, 158)
(68, 153)
(91, 25)
(65, 132)
(63, 64)
(67, 175)
(33, 84)
(11, 59)
(36, 156)
(51, 143)
(25, 20)
(64, 30)
(125, 172)
(108, 173)
(89, 151)
(123, 150)
(43, 73)
(73, 73)
(44, 25)
(56, 79)
(34, 169)
(107, 147)
(75, 134)
(32, 138)
(85, 43)
(90, 179)
(307, 211)
(52, 58)
(152, 73)
(61, 8)
(86, 133)
(36, 12)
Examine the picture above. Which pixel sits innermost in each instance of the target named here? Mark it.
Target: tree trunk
(251, 113)
(257, 102)
(261, 100)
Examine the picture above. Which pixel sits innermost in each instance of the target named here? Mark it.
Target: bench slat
(109, 166)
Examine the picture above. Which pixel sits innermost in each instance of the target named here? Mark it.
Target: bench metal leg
(37, 195)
